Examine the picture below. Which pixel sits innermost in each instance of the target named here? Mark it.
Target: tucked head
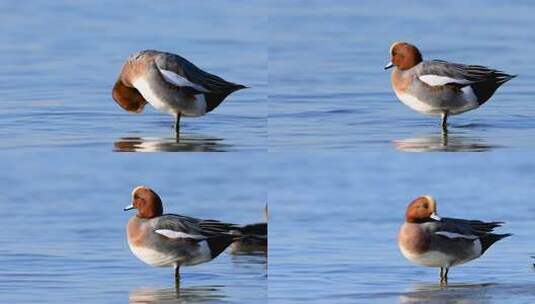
(124, 92)
(404, 56)
(147, 203)
(422, 209)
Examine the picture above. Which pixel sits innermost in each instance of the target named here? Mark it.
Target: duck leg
(444, 121)
(177, 124)
(177, 273)
(444, 275)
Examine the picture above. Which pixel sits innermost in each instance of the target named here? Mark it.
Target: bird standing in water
(437, 87)
(170, 83)
(429, 240)
(172, 240)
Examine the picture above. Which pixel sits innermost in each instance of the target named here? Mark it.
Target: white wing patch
(435, 80)
(180, 81)
(178, 235)
(453, 235)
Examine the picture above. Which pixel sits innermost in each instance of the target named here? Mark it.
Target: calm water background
(328, 89)
(60, 60)
(63, 228)
(336, 217)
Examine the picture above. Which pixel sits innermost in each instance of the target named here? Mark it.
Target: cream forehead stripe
(137, 188)
(431, 200)
(394, 44)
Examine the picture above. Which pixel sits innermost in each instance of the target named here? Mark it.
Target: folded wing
(177, 226)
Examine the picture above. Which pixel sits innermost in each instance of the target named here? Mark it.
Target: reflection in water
(451, 293)
(251, 260)
(196, 294)
(186, 143)
(445, 142)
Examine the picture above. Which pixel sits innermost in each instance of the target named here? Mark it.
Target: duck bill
(389, 65)
(129, 207)
(435, 216)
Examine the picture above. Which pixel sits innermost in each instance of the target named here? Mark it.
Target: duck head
(403, 56)
(422, 209)
(147, 202)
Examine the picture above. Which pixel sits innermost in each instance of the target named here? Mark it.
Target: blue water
(335, 219)
(63, 237)
(328, 89)
(60, 60)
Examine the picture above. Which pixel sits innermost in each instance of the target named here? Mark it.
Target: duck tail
(488, 239)
(219, 243)
(214, 99)
(239, 87)
(485, 89)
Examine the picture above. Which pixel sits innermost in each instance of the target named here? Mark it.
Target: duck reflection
(451, 293)
(445, 142)
(187, 143)
(251, 261)
(195, 294)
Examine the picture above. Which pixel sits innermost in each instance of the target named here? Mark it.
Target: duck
(437, 87)
(255, 237)
(429, 240)
(173, 240)
(170, 83)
